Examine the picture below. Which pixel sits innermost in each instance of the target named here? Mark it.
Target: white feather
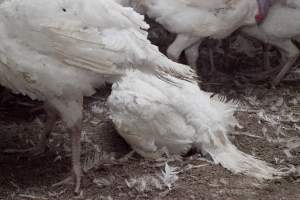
(282, 24)
(195, 20)
(151, 115)
(60, 50)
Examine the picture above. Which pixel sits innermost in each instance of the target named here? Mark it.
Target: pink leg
(292, 53)
(266, 49)
(285, 69)
(74, 124)
(76, 172)
(76, 152)
(192, 54)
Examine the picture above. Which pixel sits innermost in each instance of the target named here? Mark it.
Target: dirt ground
(270, 130)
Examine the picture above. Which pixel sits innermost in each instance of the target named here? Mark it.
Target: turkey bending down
(281, 25)
(151, 115)
(61, 50)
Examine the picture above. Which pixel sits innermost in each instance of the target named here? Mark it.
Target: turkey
(61, 50)
(195, 20)
(281, 25)
(152, 115)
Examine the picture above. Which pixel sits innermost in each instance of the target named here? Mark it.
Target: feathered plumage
(151, 114)
(61, 50)
(281, 25)
(195, 20)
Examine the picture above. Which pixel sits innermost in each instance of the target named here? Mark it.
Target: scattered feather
(102, 182)
(169, 175)
(144, 183)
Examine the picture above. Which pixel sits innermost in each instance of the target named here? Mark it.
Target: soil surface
(269, 129)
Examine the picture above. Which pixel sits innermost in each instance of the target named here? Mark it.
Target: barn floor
(270, 130)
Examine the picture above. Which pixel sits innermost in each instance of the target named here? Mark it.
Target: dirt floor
(270, 130)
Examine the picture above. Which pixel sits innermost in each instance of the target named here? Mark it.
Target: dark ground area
(270, 120)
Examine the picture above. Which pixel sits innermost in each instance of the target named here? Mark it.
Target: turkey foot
(75, 178)
(75, 133)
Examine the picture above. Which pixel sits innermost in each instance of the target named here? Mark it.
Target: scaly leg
(75, 133)
(72, 116)
(192, 54)
(76, 173)
(266, 49)
(293, 52)
(286, 68)
(76, 152)
(290, 51)
(211, 48)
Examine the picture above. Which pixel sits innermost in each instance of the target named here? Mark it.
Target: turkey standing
(59, 51)
(195, 20)
(281, 25)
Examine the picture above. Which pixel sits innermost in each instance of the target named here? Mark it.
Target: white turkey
(195, 20)
(281, 25)
(152, 115)
(61, 50)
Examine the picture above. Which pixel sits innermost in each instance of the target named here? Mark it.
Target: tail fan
(237, 161)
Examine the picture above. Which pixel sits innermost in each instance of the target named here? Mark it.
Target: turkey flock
(60, 51)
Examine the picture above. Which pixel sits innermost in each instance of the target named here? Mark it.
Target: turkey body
(61, 50)
(281, 25)
(194, 21)
(151, 115)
